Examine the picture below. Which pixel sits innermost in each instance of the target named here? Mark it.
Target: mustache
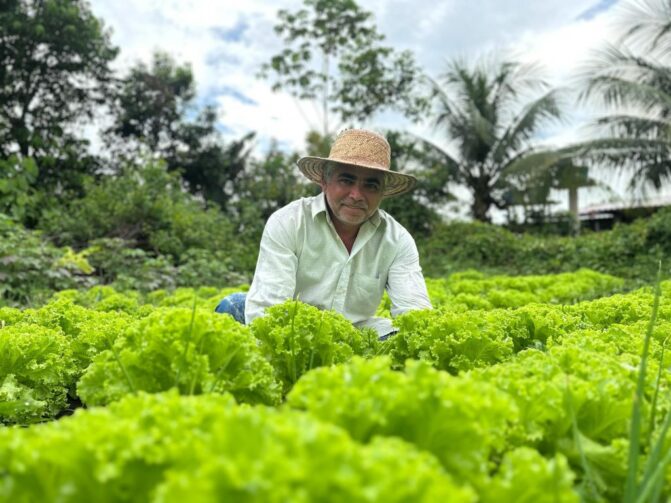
(356, 205)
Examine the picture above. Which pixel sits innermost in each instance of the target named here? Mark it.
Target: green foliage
(541, 391)
(198, 268)
(658, 228)
(456, 341)
(150, 111)
(104, 299)
(631, 79)
(296, 337)
(54, 70)
(462, 422)
(416, 211)
(600, 389)
(628, 251)
(368, 76)
(472, 290)
(525, 476)
(419, 218)
(146, 206)
(37, 369)
(31, 268)
(89, 331)
(479, 106)
(17, 176)
(118, 263)
(270, 183)
(170, 448)
(194, 350)
(206, 297)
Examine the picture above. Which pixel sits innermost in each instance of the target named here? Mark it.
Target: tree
(479, 109)
(333, 54)
(272, 182)
(151, 108)
(151, 103)
(54, 71)
(633, 78)
(569, 176)
(531, 189)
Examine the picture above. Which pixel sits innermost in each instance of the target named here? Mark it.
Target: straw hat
(360, 148)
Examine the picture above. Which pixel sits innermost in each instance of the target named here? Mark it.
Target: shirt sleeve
(405, 284)
(275, 275)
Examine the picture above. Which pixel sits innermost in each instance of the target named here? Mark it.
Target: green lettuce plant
(193, 350)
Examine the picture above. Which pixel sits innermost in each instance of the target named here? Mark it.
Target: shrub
(193, 350)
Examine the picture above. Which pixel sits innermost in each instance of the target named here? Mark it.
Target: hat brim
(395, 183)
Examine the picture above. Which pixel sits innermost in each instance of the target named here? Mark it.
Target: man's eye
(373, 187)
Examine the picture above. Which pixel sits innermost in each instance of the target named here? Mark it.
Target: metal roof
(625, 205)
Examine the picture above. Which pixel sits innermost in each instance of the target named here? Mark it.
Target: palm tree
(633, 78)
(481, 109)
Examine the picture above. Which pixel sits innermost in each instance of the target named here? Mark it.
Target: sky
(227, 41)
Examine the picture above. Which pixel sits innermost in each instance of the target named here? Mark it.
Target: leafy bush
(146, 206)
(89, 332)
(456, 341)
(194, 350)
(37, 370)
(464, 422)
(168, 447)
(475, 290)
(296, 337)
(460, 421)
(31, 268)
(525, 476)
(630, 251)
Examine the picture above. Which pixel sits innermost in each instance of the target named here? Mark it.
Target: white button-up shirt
(302, 257)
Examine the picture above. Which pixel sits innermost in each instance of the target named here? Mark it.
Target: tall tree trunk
(325, 96)
(482, 200)
(573, 208)
(480, 208)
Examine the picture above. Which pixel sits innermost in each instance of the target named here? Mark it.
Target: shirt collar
(319, 206)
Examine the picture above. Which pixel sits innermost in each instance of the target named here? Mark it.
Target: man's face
(353, 194)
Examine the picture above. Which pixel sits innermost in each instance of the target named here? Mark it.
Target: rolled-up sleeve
(275, 275)
(405, 283)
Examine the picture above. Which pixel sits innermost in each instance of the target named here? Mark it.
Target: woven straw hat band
(362, 148)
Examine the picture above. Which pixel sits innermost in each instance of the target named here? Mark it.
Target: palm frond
(634, 126)
(524, 126)
(450, 162)
(537, 163)
(615, 77)
(647, 24)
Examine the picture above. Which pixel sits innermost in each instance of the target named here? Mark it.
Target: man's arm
(405, 284)
(275, 275)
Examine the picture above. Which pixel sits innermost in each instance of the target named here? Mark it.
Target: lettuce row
(462, 340)
(471, 290)
(166, 447)
(465, 423)
(36, 369)
(195, 351)
(296, 337)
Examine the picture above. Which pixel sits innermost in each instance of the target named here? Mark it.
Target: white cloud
(551, 32)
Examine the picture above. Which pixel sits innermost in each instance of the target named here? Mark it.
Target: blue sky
(226, 42)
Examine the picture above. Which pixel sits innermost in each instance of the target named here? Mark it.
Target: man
(338, 250)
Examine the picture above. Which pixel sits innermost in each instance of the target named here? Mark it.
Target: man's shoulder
(392, 226)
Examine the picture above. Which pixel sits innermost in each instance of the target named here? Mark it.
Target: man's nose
(355, 192)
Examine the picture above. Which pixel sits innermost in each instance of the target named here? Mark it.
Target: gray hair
(327, 172)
